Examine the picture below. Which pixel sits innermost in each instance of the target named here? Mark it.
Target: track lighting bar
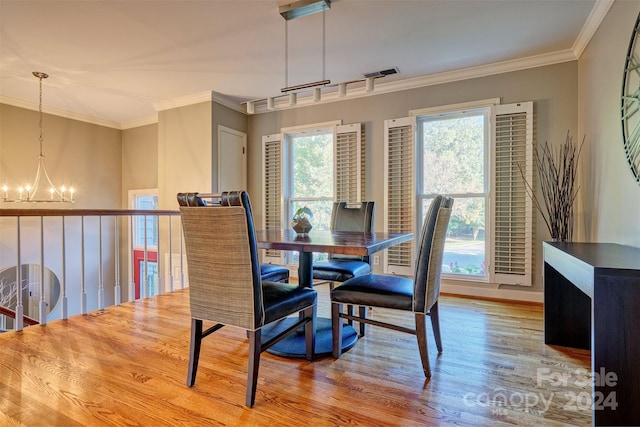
(305, 86)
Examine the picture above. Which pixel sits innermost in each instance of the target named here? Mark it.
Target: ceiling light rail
(292, 92)
(296, 10)
(304, 8)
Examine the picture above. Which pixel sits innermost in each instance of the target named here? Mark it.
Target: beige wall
(609, 203)
(84, 155)
(554, 90)
(139, 159)
(188, 148)
(184, 152)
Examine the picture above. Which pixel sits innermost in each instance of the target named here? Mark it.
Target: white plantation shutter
(399, 192)
(513, 209)
(272, 150)
(349, 163)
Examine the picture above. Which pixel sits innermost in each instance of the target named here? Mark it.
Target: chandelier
(33, 193)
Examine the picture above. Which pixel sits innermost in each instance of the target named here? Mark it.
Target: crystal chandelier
(29, 192)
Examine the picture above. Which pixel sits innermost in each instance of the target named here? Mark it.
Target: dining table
(320, 241)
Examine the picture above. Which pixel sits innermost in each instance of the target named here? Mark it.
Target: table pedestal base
(294, 345)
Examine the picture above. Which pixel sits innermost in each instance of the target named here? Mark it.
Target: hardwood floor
(127, 366)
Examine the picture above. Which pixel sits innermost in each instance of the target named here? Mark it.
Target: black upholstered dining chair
(225, 286)
(419, 296)
(274, 273)
(347, 216)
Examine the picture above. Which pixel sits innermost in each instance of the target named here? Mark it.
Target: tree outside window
(453, 163)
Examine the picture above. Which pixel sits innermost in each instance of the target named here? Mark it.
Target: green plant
(303, 212)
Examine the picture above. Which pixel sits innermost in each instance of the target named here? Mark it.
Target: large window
(310, 178)
(453, 158)
(476, 153)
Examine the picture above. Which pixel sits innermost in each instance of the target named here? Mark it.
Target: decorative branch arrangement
(557, 175)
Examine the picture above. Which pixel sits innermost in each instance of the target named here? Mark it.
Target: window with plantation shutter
(513, 209)
(399, 192)
(349, 163)
(286, 177)
(272, 191)
(415, 171)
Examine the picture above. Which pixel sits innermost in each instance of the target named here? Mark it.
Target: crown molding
(591, 25)
(60, 113)
(184, 101)
(197, 98)
(143, 121)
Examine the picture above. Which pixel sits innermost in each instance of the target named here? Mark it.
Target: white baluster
(19, 321)
(43, 302)
(117, 290)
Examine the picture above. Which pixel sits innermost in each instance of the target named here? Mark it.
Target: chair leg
(336, 326)
(310, 332)
(421, 334)
(255, 348)
(194, 350)
(350, 313)
(362, 312)
(435, 323)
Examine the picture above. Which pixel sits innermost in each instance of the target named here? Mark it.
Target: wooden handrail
(85, 212)
(12, 314)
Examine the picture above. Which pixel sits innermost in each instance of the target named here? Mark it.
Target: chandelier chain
(40, 77)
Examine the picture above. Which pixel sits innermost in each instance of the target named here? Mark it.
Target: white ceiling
(118, 62)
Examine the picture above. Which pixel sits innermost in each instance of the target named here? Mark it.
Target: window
(309, 178)
(311, 166)
(310, 174)
(477, 154)
(453, 151)
(145, 243)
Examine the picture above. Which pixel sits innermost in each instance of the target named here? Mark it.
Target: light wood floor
(128, 367)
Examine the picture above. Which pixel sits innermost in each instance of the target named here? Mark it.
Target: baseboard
(485, 291)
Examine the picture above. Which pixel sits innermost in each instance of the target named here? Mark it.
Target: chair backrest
(222, 259)
(352, 216)
(429, 262)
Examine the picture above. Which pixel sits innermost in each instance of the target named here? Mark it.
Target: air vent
(383, 73)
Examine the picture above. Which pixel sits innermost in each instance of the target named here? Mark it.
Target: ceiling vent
(383, 73)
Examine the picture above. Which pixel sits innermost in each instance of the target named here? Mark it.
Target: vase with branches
(557, 169)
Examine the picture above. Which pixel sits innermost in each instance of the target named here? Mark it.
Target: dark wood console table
(592, 301)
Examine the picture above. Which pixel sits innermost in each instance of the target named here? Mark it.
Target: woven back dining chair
(418, 295)
(347, 216)
(270, 272)
(225, 286)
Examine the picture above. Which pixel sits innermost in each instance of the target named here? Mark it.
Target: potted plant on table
(301, 221)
